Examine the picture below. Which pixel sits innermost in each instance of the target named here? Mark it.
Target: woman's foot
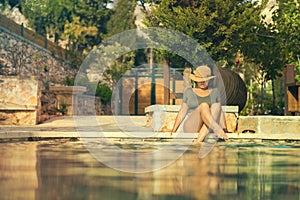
(219, 132)
(222, 135)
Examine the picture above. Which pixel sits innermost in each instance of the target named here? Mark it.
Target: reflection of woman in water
(200, 110)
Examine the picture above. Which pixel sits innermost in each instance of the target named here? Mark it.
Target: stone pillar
(65, 96)
(19, 100)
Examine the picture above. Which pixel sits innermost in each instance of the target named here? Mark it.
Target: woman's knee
(216, 110)
(203, 106)
(216, 107)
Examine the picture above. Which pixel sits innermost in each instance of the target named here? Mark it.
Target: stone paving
(274, 128)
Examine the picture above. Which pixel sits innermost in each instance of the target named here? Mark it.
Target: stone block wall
(23, 102)
(88, 105)
(269, 124)
(27, 73)
(72, 99)
(19, 100)
(21, 57)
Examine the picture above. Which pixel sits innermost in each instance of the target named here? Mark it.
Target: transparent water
(64, 169)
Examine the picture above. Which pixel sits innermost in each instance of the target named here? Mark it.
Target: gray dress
(193, 100)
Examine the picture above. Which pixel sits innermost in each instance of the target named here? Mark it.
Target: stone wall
(27, 73)
(19, 100)
(23, 102)
(21, 57)
(68, 100)
(269, 125)
(57, 104)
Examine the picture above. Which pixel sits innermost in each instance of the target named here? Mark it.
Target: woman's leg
(207, 116)
(202, 133)
(193, 123)
(216, 115)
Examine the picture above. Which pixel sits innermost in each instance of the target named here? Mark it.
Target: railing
(33, 37)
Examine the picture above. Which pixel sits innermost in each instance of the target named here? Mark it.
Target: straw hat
(202, 73)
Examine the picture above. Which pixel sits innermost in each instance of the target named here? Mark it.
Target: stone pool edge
(250, 127)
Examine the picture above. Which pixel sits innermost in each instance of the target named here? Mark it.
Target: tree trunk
(274, 109)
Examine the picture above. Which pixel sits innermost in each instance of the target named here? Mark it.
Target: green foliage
(216, 25)
(69, 81)
(119, 67)
(122, 17)
(4, 4)
(111, 61)
(104, 92)
(76, 33)
(286, 28)
(36, 13)
(274, 44)
(93, 13)
(297, 76)
(277, 42)
(62, 108)
(87, 18)
(11, 3)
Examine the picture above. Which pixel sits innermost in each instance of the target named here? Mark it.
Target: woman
(201, 108)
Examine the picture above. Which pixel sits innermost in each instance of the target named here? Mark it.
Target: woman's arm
(180, 116)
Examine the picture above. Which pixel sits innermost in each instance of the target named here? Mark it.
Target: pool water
(64, 169)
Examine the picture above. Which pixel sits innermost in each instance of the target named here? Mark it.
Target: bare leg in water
(218, 116)
(203, 117)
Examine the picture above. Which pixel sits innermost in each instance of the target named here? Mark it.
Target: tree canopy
(58, 18)
(286, 28)
(219, 26)
(122, 17)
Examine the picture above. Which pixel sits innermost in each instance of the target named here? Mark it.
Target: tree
(286, 26)
(11, 3)
(274, 44)
(217, 25)
(76, 33)
(36, 13)
(263, 51)
(93, 13)
(48, 17)
(58, 13)
(231, 32)
(122, 17)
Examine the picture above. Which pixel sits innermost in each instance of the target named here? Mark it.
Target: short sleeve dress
(193, 100)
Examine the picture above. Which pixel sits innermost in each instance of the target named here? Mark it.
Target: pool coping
(64, 127)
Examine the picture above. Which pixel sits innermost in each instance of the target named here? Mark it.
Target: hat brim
(200, 79)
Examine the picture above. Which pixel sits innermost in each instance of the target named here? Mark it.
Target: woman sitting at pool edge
(201, 109)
